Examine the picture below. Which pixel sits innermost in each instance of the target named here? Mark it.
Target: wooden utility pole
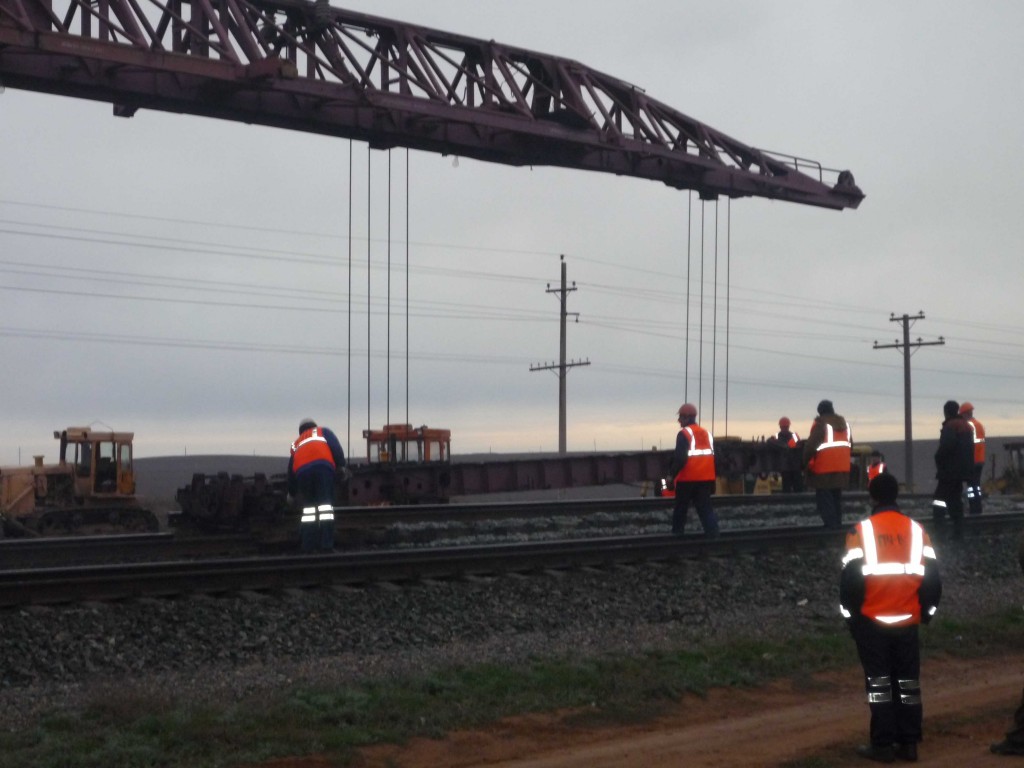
(905, 345)
(562, 367)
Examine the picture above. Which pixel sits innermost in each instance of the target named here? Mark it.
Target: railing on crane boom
(312, 67)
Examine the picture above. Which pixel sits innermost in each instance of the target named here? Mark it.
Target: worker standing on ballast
(974, 484)
(316, 456)
(693, 467)
(789, 440)
(954, 466)
(826, 457)
(889, 585)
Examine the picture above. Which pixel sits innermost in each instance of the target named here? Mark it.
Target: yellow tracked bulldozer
(91, 490)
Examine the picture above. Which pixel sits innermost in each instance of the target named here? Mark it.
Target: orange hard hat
(784, 423)
(688, 409)
(966, 408)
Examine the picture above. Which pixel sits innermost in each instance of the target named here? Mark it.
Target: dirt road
(968, 705)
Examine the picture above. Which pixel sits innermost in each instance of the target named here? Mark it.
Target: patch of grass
(153, 732)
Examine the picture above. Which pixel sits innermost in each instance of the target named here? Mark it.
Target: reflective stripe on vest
(831, 441)
(700, 462)
(311, 446)
(978, 432)
(891, 586)
(794, 438)
(833, 455)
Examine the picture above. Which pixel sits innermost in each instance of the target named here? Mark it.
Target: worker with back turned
(889, 585)
(954, 466)
(316, 456)
(826, 458)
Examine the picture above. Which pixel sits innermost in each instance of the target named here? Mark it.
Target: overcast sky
(187, 278)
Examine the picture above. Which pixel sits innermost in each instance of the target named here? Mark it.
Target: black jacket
(954, 459)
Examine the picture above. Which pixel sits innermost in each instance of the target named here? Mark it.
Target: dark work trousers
(948, 500)
(316, 494)
(891, 658)
(830, 506)
(700, 494)
(974, 490)
(1016, 734)
(792, 481)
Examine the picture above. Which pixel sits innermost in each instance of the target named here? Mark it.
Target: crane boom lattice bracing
(311, 67)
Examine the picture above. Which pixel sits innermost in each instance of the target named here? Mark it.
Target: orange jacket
(888, 557)
(700, 457)
(874, 470)
(979, 440)
(832, 453)
(311, 446)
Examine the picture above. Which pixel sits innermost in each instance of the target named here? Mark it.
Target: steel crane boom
(312, 67)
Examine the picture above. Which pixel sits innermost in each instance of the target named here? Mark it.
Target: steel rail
(81, 550)
(134, 580)
(368, 517)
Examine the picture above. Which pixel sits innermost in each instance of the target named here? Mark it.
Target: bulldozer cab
(101, 462)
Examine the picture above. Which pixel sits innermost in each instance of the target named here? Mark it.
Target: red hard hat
(784, 423)
(688, 409)
(966, 408)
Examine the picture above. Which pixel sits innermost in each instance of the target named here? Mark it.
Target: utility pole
(562, 367)
(905, 345)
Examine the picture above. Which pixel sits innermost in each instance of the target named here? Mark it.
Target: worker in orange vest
(889, 585)
(974, 484)
(693, 470)
(790, 472)
(876, 465)
(316, 456)
(785, 435)
(826, 458)
(954, 466)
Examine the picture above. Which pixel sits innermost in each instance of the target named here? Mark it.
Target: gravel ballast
(224, 648)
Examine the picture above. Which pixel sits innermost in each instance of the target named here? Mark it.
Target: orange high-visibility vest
(833, 455)
(700, 461)
(874, 470)
(894, 549)
(311, 446)
(979, 440)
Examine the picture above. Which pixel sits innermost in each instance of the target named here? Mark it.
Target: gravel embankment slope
(226, 647)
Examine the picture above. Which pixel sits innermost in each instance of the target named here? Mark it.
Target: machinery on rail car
(403, 465)
(90, 490)
(407, 465)
(92, 487)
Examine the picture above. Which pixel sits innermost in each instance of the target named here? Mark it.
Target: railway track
(125, 580)
(122, 548)
(361, 527)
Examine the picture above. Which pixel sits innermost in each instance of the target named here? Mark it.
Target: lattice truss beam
(312, 67)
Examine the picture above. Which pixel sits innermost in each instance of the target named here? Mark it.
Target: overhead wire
(233, 251)
(804, 301)
(348, 388)
(648, 294)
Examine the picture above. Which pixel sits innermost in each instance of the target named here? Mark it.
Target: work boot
(907, 752)
(884, 754)
(1007, 747)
